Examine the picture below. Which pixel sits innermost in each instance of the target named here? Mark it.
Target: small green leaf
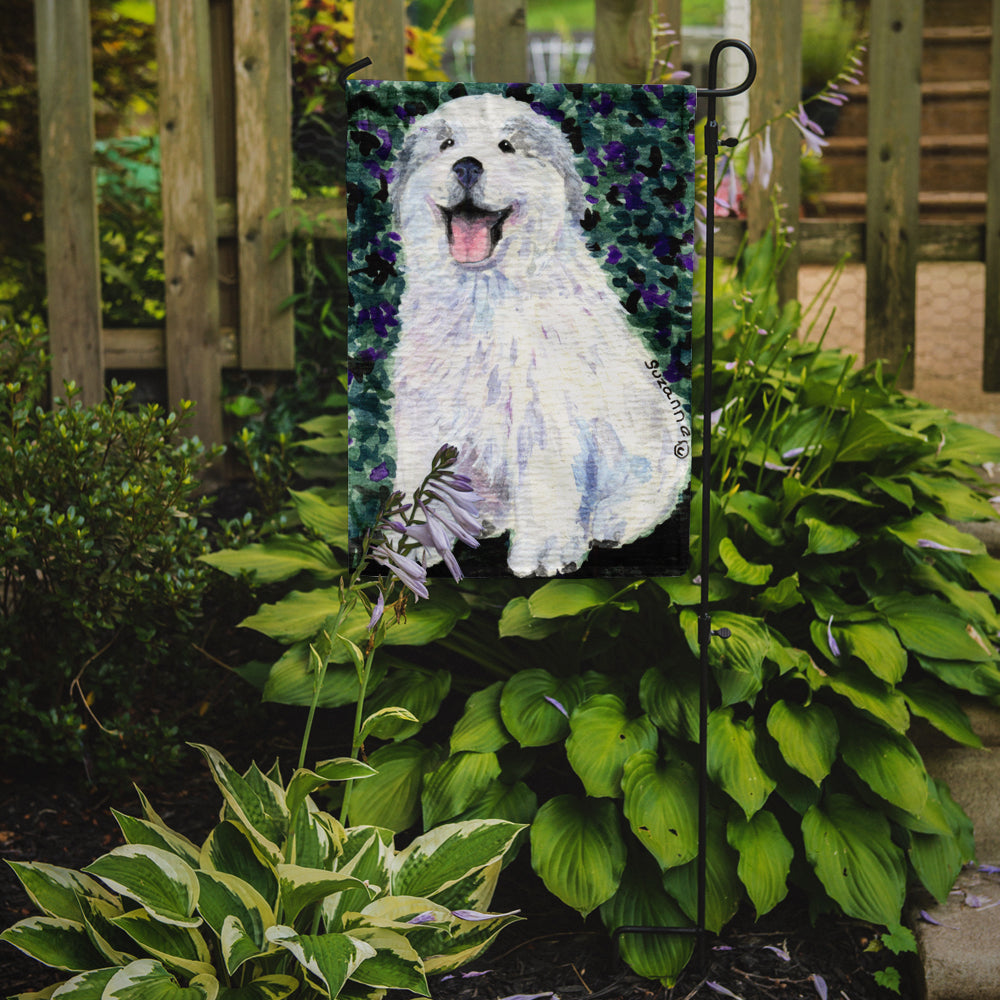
(56, 891)
(739, 569)
(481, 727)
(391, 798)
(180, 948)
(578, 851)
(456, 785)
(765, 858)
(279, 558)
(325, 519)
(301, 887)
(807, 736)
(535, 706)
(517, 620)
(827, 539)
(559, 598)
(888, 763)
(928, 528)
(732, 760)
(936, 704)
(932, 628)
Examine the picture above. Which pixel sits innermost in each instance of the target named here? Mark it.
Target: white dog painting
(514, 347)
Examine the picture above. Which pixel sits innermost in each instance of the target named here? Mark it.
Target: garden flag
(520, 267)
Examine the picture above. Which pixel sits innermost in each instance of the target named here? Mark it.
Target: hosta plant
(279, 900)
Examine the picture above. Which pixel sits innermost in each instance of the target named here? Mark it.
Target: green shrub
(279, 900)
(99, 540)
(854, 602)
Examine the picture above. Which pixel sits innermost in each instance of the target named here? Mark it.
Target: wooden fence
(226, 160)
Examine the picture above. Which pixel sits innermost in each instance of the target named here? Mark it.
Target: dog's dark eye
(447, 144)
(506, 146)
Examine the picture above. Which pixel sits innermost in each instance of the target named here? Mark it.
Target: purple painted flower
(379, 472)
(410, 573)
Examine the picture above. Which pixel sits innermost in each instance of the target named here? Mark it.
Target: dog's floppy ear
(545, 140)
(404, 166)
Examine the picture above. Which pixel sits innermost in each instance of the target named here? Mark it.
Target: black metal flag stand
(705, 631)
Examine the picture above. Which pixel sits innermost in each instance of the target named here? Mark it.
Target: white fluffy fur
(524, 361)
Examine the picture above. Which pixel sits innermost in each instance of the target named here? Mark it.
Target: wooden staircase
(955, 89)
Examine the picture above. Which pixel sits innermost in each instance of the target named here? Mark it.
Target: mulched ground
(550, 952)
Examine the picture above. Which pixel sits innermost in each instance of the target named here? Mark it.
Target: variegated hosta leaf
(98, 915)
(765, 858)
(888, 763)
(661, 800)
(535, 706)
(304, 782)
(732, 760)
(54, 941)
(807, 736)
(141, 831)
(256, 801)
(465, 942)
(86, 986)
(723, 889)
(147, 979)
(230, 849)
(850, 847)
(158, 880)
(315, 838)
(367, 853)
(177, 947)
(456, 784)
(642, 902)
(329, 959)
(395, 964)
(225, 897)
(300, 887)
(441, 857)
(476, 890)
(578, 851)
(56, 891)
(481, 727)
(602, 737)
(274, 987)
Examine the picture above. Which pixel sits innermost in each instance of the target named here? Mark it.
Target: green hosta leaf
(535, 706)
(517, 620)
(558, 598)
(225, 897)
(641, 901)
(516, 803)
(752, 574)
(783, 595)
(827, 539)
(876, 646)
(395, 964)
(291, 680)
(147, 979)
(415, 689)
(141, 831)
(928, 528)
(230, 849)
(965, 443)
(301, 887)
(765, 858)
(366, 855)
(893, 488)
(275, 987)
(661, 798)
(870, 436)
(931, 628)
(975, 605)
(56, 891)
(758, 511)
(330, 959)
(304, 782)
(986, 571)
(732, 760)
(738, 661)
(850, 847)
(441, 857)
(456, 784)
(177, 947)
(602, 738)
(260, 809)
(685, 592)
(279, 558)
(297, 616)
(941, 709)
(391, 798)
(159, 881)
(888, 763)
(98, 914)
(723, 889)
(807, 736)
(957, 501)
(386, 723)
(864, 691)
(54, 941)
(481, 728)
(670, 698)
(325, 519)
(578, 851)
(937, 859)
(976, 678)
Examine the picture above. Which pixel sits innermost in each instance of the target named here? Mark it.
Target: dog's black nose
(468, 170)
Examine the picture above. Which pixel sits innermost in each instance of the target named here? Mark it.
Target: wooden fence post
(380, 34)
(776, 35)
(991, 331)
(893, 183)
(261, 56)
(501, 41)
(72, 255)
(622, 40)
(190, 251)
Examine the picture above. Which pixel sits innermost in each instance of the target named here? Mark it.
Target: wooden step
(947, 163)
(939, 13)
(956, 53)
(947, 106)
(957, 206)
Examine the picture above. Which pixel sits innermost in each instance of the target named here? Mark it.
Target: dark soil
(551, 951)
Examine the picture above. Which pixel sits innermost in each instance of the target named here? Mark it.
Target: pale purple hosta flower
(719, 988)
(462, 503)
(410, 573)
(432, 535)
(831, 642)
(780, 952)
(558, 705)
(811, 132)
(927, 543)
(475, 915)
(377, 611)
(427, 917)
(820, 984)
(760, 166)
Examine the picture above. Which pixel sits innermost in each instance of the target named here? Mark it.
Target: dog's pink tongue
(470, 237)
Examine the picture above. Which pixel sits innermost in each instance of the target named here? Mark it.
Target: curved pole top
(712, 90)
(353, 68)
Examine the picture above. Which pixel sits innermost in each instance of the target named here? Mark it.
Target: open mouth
(473, 233)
